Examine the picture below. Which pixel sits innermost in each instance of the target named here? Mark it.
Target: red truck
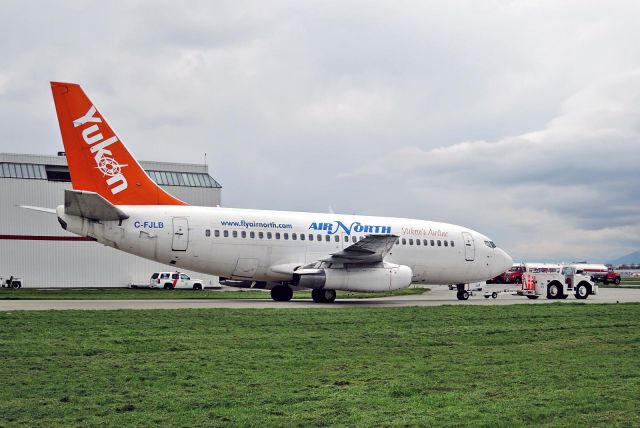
(599, 273)
(512, 276)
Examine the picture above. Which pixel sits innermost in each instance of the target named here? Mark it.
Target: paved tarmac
(439, 295)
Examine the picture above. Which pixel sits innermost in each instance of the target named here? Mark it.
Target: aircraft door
(180, 234)
(469, 247)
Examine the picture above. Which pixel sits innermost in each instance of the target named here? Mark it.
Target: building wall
(35, 247)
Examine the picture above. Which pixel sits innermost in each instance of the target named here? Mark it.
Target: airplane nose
(504, 260)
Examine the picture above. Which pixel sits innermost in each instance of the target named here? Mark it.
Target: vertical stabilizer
(98, 161)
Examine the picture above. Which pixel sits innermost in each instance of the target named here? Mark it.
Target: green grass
(126, 293)
(519, 365)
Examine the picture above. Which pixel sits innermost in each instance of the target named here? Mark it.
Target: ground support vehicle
(599, 273)
(11, 282)
(555, 281)
(464, 291)
(174, 280)
(495, 293)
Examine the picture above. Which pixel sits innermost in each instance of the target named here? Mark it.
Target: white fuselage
(259, 245)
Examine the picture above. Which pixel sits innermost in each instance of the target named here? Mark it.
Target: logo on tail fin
(104, 161)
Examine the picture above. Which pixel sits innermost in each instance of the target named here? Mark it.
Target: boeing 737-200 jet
(115, 203)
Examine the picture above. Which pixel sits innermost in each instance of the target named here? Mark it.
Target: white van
(174, 280)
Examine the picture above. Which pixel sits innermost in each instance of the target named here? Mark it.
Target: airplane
(115, 203)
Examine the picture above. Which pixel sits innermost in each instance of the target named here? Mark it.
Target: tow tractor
(556, 281)
(12, 282)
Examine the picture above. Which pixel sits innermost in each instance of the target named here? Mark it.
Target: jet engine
(380, 277)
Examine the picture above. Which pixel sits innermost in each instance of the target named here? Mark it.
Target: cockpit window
(490, 244)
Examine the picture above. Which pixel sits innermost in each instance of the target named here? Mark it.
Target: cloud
(516, 118)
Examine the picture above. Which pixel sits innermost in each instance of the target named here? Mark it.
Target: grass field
(126, 293)
(553, 365)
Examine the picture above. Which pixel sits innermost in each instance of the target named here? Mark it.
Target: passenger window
(235, 233)
(269, 236)
(277, 235)
(286, 236)
(327, 238)
(310, 237)
(243, 234)
(446, 243)
(302, 237)
(337, 238)
(319, 237)
(226, 233)
(425, 242)
(216, 233)
(439, 243)
(354, 239)
(452, 244)
(261, 235)
(433, 243)
(404, 241)
(294, 236)
(361, 238)
(410, 241)
(397, 241)
(207, 232)
(346, 238)
(417, 242)
(252, 235)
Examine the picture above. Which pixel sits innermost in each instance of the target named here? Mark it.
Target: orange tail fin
(98, 161)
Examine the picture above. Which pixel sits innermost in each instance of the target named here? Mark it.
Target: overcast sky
(520, 119)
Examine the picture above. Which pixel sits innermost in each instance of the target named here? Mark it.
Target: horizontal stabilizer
(91, 205)
(41, 209)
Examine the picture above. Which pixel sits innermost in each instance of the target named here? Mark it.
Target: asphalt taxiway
(438, 296)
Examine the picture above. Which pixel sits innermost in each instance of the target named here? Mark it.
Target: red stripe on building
(43, 238)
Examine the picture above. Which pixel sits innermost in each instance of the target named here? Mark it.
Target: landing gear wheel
(582, 292)
(553, 291)
(281, 293)
(494, 295)
(463, 295)
(323, 296)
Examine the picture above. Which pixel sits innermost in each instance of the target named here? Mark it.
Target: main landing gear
(462, 293)
(323, 296)
(281, 293)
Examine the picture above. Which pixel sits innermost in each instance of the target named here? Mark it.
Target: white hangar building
(34, 247)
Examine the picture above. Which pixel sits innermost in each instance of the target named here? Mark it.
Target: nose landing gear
(462, 294)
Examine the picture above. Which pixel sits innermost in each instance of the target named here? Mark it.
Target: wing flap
(91, 205)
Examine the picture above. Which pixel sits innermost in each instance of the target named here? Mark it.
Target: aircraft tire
(281, 293)
(316, 295)
(462, 295)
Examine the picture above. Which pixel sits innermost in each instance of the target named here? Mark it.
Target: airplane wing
(372, 249)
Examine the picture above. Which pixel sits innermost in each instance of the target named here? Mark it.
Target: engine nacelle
(377, 278)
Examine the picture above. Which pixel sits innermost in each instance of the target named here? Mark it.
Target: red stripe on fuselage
(43, 238)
